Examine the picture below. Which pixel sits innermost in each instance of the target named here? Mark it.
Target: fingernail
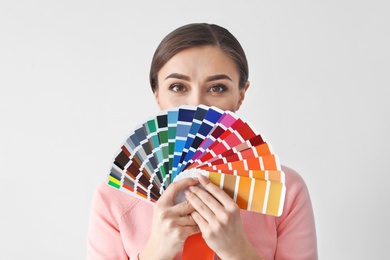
(186, 192)
(201, 176)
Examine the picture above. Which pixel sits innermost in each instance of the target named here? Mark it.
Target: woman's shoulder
(292, 178)
(297, 194)
(116, 201)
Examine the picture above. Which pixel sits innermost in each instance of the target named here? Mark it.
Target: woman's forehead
(205, 60)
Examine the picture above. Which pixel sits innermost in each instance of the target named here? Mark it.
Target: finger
(191, 230)
(200, 200)
(183, 208)
(170, 193)
(200, 221)
(186, 221)
(216, 191)
(184, 232)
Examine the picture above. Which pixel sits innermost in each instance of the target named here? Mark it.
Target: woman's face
(200, 75)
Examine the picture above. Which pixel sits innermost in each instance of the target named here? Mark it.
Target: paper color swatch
(185, 141)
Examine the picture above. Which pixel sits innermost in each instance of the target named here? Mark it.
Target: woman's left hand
(219, 220)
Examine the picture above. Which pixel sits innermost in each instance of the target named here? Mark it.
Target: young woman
(200, 64)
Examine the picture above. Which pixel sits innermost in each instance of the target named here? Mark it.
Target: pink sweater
(120, 225)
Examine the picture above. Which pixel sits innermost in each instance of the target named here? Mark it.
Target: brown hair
(197, 35)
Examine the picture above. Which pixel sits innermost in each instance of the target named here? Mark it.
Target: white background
(71, 70)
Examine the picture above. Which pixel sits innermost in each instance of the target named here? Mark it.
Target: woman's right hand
(172, 224)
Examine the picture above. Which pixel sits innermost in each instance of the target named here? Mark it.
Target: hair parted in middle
(198, 35)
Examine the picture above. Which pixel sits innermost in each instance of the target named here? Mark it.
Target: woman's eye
(177, 88)
(219, 88)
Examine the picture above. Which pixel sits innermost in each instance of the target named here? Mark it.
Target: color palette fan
(188, 140)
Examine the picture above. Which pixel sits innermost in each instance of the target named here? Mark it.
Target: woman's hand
(172, 224)
(219, 220)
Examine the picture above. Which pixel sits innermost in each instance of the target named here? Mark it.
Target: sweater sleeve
(104, 238)
(296, 227)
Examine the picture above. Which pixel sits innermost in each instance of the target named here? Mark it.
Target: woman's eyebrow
(178, 76)
(218, 77)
